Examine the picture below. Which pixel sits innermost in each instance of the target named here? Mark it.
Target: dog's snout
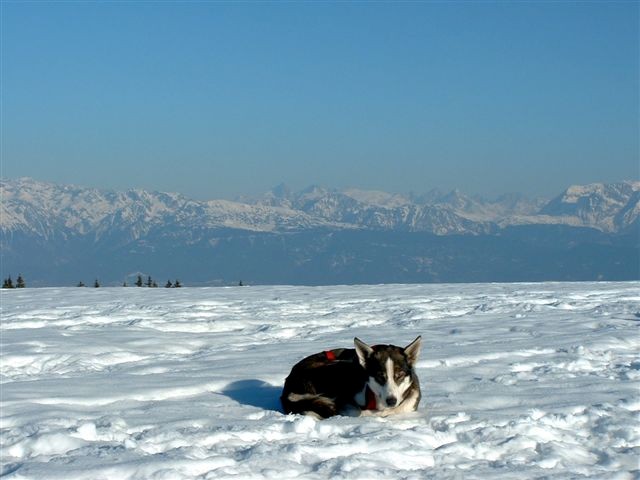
(391, 401)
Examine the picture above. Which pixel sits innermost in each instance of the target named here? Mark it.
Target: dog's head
(389, 369)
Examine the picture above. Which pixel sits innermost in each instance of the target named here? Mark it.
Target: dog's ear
(413, 350)
(363, 350)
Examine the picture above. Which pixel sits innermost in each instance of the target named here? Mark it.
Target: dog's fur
(378, 380)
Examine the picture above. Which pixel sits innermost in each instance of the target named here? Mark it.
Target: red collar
(371, 399)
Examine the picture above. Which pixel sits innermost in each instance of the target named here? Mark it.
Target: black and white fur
(375, 380)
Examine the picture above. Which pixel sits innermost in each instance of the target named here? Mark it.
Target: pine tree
(8, 283)
(139, 281)
(20, 282)
(149, 282)
(96, 284)
(177, 284)
(155, 285)
(124, 284)
(81, 283)
(169, 284)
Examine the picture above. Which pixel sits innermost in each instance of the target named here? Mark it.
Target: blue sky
(219, 99)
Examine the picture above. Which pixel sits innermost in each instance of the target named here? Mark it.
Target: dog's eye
(399, 376)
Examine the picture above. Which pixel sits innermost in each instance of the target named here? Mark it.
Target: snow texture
(518, 381)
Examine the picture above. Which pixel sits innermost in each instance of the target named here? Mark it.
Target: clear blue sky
(220, 99)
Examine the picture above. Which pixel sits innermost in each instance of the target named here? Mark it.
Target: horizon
(241, 198)
(220, 100)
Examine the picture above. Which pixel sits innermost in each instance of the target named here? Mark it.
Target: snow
(518, 381)
(377, 198)
(575, 193)
(48, 210)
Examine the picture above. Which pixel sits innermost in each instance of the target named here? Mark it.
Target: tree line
(8, 283)
(150, 283)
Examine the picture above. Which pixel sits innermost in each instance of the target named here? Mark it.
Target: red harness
(370, 397)
(371, 400)
(330, 355)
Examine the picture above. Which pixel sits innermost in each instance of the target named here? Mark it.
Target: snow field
(518, 381)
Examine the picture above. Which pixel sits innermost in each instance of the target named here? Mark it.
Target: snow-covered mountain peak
(280, 195)
(351, 235)
(377, 198)
(598, 204)
(613, 191)
(45, 209)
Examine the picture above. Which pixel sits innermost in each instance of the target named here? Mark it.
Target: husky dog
(378, 380)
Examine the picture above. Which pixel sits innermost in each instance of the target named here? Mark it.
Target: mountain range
(60, 234)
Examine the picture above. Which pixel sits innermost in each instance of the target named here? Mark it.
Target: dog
(377, 380)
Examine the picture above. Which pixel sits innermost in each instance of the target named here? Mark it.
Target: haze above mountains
(58, 234)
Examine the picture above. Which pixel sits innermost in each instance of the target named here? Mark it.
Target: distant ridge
(49, 228)
(47, 209)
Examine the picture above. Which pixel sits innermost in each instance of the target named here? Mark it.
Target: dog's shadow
(255, 393)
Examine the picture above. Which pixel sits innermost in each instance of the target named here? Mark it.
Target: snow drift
(518, 381)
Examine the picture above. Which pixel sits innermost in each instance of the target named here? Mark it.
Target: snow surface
(518, 381)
